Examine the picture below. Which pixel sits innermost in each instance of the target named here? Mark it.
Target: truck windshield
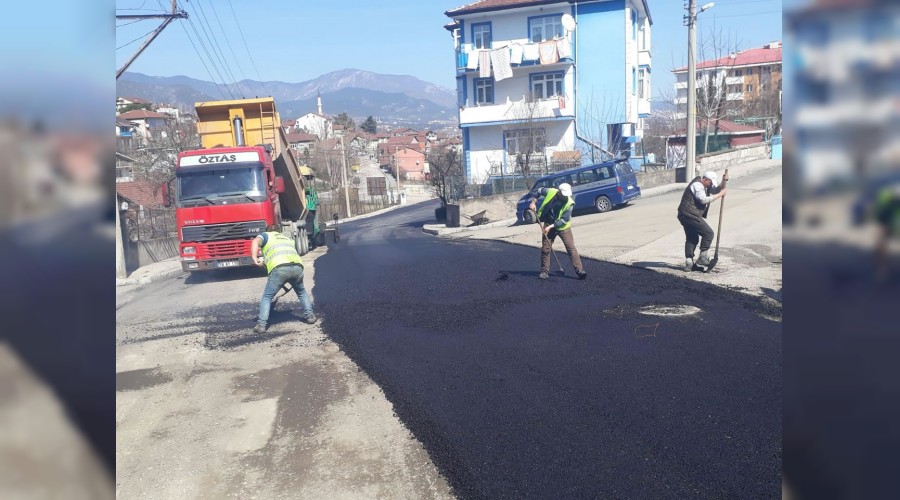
(240, 183)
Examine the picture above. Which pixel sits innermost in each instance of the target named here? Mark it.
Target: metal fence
(149, 223)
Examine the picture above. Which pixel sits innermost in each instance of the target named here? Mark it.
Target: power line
(248, 48)
(747, 15)
(211, 60)
(214, 42)
(136, 39)
(132, 22)
(139, 8)
(228, 42)
(202, 61)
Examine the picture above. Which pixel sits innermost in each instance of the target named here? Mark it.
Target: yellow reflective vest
(551, 193)
(278, 250)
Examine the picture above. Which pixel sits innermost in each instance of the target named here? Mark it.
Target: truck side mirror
(279, 184)
(167, 197)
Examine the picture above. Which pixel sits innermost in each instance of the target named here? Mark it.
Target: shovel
(560, 271)
(715, 259)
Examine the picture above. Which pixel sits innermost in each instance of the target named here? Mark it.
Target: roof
(402, 139)
(492, 5)
(750, 57)
(408, 150)
(725, 128)
(141, 114)
(136, 100)
(123, 123)
(288, 123)
(142, 193)
(292, 138)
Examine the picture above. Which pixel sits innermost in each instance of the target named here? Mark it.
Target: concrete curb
(441, 229)
(163, 270)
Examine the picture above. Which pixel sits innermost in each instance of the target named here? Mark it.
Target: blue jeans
(292, 274)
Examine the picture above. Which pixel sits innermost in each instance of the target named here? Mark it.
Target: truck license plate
(630, 187)
(228, 263)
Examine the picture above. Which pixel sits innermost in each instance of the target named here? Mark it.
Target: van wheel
(529, 216)
(602, 204)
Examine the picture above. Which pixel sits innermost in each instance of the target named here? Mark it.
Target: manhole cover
(669, 310)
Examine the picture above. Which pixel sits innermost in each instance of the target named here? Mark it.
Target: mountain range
(398, 100)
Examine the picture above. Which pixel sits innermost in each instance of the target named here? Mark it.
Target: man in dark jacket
(692, 211)
(555, 217)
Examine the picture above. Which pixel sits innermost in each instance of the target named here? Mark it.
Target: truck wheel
(304, 242)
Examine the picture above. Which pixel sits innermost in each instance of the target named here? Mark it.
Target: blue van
(601, 186)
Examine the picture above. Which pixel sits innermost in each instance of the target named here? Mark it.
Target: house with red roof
(724, 134)
(747, 75)
(146, 124)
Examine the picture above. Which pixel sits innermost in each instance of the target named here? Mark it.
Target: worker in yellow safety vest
(284, 265)
(555, 217)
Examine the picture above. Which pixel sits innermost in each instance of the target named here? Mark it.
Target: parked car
(601, 186)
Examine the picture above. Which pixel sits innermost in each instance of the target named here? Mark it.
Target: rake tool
(715, 259)
(560, 272)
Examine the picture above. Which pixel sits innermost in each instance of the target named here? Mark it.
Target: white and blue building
(593, 94)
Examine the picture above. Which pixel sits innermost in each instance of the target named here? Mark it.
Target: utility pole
(176, 14)
(691, 139)
(120, 249)
(344, 176)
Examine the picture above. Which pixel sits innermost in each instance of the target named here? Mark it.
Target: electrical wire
(248, 48)
(214, 43)
(132, 22)
(136, 39)
(202, 61)
(228, 42)
(210, 58)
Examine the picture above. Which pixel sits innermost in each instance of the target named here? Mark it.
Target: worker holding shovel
(692, 211)
(555, 218)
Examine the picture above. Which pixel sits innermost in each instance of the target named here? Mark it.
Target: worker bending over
(692, 211)
(555, 217)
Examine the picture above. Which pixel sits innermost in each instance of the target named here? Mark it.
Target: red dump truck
(243, 179)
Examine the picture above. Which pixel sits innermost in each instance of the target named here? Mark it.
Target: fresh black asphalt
(522, 388)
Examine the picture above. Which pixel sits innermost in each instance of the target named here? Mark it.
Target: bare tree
(596, 115)
(156, 154)
(526, 139)
(765, 109)
(717, 52)
(446, 176)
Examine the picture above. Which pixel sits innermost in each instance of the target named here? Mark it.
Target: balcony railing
(551, 108)
(467, 51)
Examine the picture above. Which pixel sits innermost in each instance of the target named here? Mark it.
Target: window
(633, 81)
(643, 83)
(738, 72)
(545, 28)
(481, 35)
(642, 36)
(603, 173)
(749, 71)
(633, 25)
(521, 140)
(484, 91)
(588, 176)
(748, 88)
(766, 69)
(547, 85)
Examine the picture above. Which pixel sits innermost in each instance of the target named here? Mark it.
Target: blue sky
(295, 41)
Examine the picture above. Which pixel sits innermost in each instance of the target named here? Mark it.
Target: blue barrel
(776, 147)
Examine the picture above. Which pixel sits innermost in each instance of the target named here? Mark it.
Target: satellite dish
(568, 22)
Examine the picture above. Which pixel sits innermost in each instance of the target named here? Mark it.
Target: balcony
(644, 58)
(465, 51)
(681, 100)
(643, 107)
(517, 110)
(680, 85)
(734, 96)
(734, 80)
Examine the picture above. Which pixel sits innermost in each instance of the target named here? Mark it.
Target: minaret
(319, 100)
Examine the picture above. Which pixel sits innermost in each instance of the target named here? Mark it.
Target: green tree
(370, 125)
(345, 121)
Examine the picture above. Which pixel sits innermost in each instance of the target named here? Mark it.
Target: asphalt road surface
(522, 388)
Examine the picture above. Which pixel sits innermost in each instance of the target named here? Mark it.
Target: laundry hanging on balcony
(549, 55)
(472, 61)
(515, 54)
(500, 60)
(484, 64)
(531, 52)
(564, 48)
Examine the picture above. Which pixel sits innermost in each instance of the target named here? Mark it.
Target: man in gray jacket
(692, 211)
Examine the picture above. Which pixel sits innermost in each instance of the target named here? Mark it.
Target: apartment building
(844, 89)
(544, 78)
(745, 75)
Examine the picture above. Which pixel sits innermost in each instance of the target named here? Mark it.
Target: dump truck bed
(261, 124)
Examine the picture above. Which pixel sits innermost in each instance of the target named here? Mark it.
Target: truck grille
(230, 231)
(228, 249)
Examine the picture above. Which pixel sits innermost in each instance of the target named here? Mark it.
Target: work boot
(311, 319)
(582, 274)
(259, 328)
(544, 275)
(688, 265)
(703, 260)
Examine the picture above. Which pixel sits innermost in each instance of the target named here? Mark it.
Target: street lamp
(691, 138)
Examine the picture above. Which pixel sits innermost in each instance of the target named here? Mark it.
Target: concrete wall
(648, 180)
(499, 207)
(150, 251)
(721, 160)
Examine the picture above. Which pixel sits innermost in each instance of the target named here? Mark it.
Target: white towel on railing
(531, 52)
(472, 63)
(549, 55)
(564, 48)
(484, 64)
(515, 54)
